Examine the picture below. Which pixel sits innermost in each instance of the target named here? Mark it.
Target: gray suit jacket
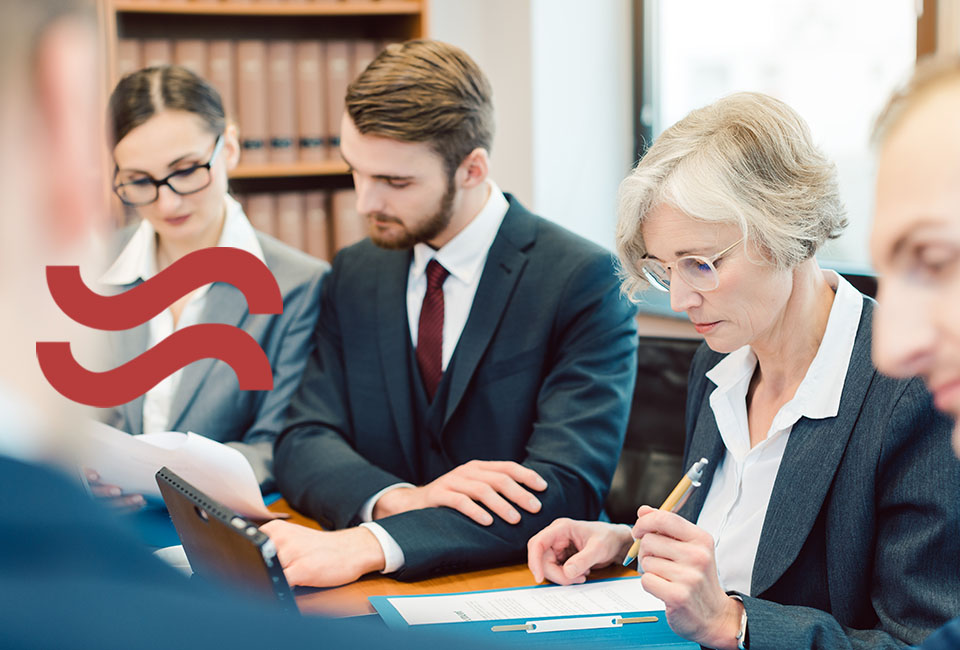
(208, 400)
(860, 547)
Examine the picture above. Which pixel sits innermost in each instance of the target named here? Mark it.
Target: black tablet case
(223, 546)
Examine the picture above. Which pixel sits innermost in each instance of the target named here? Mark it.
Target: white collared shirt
(463, 257)
(138, 261)
(736, 505)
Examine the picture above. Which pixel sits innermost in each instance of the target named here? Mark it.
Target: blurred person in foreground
(915, 247)
(70, 574)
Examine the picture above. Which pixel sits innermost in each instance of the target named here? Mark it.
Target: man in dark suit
(474, 362)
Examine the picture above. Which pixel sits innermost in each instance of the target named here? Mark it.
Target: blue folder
(634, 635)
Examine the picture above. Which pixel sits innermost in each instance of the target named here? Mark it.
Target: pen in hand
(679, 496)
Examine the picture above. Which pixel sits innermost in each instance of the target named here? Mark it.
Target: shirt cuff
(366, 512)
(392, 553)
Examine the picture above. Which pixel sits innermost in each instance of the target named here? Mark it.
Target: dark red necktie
(430, 331)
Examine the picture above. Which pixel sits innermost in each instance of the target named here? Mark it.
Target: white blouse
(736, 505)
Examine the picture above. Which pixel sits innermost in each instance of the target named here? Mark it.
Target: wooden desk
(351, 599)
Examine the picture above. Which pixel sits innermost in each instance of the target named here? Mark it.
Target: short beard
(429, 229)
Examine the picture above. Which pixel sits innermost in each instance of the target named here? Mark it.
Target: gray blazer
(208, 400)
(860, 547)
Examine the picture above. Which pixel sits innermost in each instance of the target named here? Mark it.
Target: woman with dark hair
(173, 147)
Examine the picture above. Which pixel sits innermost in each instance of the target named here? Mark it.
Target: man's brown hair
(425, 91)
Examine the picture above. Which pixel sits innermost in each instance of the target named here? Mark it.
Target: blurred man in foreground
(71, 576)
(916, 247)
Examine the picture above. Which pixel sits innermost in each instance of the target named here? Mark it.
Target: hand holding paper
(112, 495)
(130, 462)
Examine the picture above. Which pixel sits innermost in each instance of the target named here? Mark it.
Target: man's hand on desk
(319, 558)
(465, 488)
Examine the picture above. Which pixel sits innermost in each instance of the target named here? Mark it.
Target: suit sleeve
(295, 342)
(318, 469)
(582, 408)
(946, 638)
(915, 588)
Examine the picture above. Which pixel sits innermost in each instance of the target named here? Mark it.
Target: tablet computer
(222, 545)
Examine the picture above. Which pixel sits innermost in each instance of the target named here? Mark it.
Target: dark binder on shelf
(310, 100)
(128, 56)
(349, 227)
(364, 51)
(252, 105)
(282, 110)
(289, 219)
(191, 53)
(260, 208)
(221, 71)
(317, 224)
(338, 78)
(157, 51)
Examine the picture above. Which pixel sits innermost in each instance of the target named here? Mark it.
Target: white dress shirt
(138, 261)
(463, 257)
(736, 505)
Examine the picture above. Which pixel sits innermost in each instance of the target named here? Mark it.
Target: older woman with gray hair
(826, 516)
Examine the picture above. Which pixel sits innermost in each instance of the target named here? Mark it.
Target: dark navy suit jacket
(542, 375)
(946, 638)
(72, 576)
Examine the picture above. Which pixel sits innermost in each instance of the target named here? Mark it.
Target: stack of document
(594, 614)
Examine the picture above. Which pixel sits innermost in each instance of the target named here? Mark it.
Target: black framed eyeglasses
(144, 189)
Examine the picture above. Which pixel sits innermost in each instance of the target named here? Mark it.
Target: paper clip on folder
(567, 624)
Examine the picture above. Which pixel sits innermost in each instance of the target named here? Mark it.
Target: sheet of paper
(131, 462)
(602, 597)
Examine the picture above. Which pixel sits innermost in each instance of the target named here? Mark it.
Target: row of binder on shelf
(317, 222)
(286, 96)
(250, 2)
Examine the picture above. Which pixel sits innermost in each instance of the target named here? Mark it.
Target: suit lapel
(810, 460)
(224, 304)
(502, 271)
(705, 443)
(394, 337)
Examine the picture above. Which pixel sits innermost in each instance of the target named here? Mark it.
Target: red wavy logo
(227, 343)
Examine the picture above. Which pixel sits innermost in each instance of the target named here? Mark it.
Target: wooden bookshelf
(379, 8)
(380, 19)
(291, 170)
